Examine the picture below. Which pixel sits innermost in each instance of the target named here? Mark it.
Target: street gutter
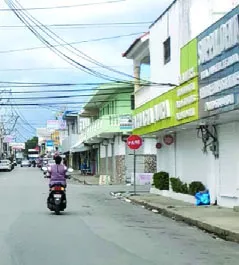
(168, 212)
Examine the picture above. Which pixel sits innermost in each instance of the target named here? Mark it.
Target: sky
(104, 43)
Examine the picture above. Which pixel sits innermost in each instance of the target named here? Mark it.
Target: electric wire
(85, 56)
(55, 50)
(62, 7)
(72, 43)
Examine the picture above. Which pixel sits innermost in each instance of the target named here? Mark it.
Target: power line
(55, 103)
(53, 68)
(74, 51)
(81, 25)
(121, 91)
(73, 43)
(6, 84)
(63, 97)
(50, 46)
(98, 86)
(61, 7)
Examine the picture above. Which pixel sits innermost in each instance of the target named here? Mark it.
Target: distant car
(26, 163)
(5, 165)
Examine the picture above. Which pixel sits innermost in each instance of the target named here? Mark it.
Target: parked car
(19, 161)
(5, 165)
(26, 163)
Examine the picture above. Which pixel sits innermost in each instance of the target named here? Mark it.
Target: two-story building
(167, 110)
(74, 125)
(99, 147)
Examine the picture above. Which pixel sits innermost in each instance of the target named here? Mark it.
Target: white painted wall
(191, 163)
(119, 146)
(109, 150)
(221, 176)
(167, 26)
(149, 146)
(166, 159)
(102, 151)
(185, 159)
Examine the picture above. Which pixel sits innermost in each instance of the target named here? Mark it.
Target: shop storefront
(218, 55)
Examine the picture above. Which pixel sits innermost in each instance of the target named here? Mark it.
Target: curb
(220, 232)
(83, 182)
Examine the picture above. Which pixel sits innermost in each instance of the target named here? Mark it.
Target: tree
(31, 143)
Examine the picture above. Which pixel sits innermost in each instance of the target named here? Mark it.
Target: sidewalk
(222, 222)
(86, 180)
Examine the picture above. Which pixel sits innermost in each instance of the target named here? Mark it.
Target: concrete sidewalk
(86, 180)
(222, 222)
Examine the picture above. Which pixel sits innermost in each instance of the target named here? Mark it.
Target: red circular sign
(134, 142)
(168, 139)
(158, 145)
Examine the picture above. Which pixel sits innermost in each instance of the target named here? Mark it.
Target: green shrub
(178, 186)
(195, 187)
(161, 180)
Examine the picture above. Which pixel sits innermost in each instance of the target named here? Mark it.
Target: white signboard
(43, 133)
(17, 146)
(52, 124)
(142, 178)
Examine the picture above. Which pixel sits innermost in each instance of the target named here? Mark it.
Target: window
(167, 51)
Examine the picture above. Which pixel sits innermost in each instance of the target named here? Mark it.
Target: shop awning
(81, 147)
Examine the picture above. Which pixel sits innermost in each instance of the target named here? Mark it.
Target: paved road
(95, 230)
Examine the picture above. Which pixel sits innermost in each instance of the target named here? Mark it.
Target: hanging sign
(168, 139)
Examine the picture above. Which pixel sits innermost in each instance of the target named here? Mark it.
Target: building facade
(99, 147)
(179, 107)
(218, 64)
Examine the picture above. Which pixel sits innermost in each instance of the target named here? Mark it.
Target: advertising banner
(49, 143)
(17, 146)
(186, 98)
(126, 122)
(52, 125)
(43, 133)
(8, 139)
(218, 58)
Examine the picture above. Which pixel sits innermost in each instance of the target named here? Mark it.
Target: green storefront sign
(186, 105)
(177, 106)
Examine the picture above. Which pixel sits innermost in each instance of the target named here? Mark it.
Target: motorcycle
(44, 169)
(57, 197)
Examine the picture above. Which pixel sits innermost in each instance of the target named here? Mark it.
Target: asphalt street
(95, 229)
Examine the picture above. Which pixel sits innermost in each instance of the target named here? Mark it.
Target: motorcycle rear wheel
(57, 210)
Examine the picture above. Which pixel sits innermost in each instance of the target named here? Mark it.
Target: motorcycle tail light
(57, 188)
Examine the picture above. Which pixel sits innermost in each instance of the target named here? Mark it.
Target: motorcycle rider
(57, 175)
(57, 172)
(56, 153)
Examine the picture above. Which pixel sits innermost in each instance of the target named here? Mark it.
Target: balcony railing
(105, 124)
